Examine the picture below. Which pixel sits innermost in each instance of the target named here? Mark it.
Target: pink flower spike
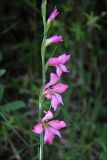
(53, 15)
(48, 116)
(59, 63)
(53, 39)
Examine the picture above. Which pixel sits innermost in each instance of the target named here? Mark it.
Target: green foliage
(2, 72)
(12, 106)
(92, 21)
(84, 28)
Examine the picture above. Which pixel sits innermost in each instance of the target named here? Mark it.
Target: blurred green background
(83, 24)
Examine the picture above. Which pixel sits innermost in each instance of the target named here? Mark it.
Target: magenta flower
(50, 128)
(53, 15)
(59, 62)
(54, 39)
(52, 90)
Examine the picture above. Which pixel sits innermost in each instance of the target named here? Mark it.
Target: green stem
(43, 50)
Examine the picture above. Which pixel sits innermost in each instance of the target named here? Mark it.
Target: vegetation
(83, 25)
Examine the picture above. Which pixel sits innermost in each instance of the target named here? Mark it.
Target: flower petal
(53, 61)
(59, 98)
(48, 137)
(53, 14)
(48, 96)
(63, 67)
(38, 129)
(48, 116)
(54, 102)
(53, 39)
(63, 58)
(59, 87)
(53, 79)
(58, 71)
(55, 131)
(56, 124)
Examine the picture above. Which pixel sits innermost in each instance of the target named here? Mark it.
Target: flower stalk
(48, 128)
(43, 50)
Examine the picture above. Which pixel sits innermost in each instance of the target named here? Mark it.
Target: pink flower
(50, 128)
(54, 39)
(53, 15)
(52, 90)
(59, 62)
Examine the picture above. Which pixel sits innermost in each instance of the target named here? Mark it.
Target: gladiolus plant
(47, 127)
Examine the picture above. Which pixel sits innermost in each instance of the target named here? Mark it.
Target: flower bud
(53, 39)
(53, 15)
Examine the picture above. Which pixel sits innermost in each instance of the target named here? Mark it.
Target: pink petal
(59, 88)
(63, 58)
(59, 98)
(53, 39)
(53, 15)
(48, 137)
(56, 124)
(53, 79)
(47, 91)
(54, 102)
(55, 131)
(48, 116)
(53, 61)
(58, 71)
(63, 67)
(48, 96)
(38, 129)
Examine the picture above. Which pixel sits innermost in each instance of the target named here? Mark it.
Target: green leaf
(92, 20)
(1, 92)
(2, 72)
(12, 106)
